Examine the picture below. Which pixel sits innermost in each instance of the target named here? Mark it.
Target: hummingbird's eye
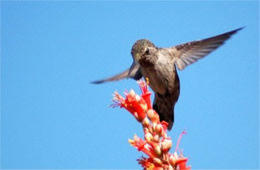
(146, 51)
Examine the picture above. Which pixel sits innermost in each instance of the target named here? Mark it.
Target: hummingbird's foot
(147, 81)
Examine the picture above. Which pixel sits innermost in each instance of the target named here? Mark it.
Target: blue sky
(52, 117)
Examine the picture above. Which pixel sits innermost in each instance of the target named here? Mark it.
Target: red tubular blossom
(156, 144)
(146, 163)
(181, 162)
(142, 145)
(145, 93)
(135, 104)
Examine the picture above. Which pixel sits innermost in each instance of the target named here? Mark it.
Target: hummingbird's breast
(161, 73)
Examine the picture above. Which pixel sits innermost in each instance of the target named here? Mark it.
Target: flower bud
(156, 138)
(146, 122)
(131, 93)
(148, 137)
(154, 126)
(166, 144)
(158, 150)
(172, 160)
(157, 161)
(143, 106)
(137, 97)
(153, 116)
(159, 129)
(146, 130)
(150, 114)
(131, 141)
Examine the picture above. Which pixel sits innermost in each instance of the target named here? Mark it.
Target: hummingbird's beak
(132, 68)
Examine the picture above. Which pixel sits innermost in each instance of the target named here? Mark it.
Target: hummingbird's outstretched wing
(134, 74)
(190, 52)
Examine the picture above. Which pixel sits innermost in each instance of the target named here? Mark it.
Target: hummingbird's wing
(135, 74)
(190, 52)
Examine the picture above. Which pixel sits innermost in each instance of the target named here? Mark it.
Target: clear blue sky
(52, 117)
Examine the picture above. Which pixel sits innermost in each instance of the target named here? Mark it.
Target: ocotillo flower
(156, 144)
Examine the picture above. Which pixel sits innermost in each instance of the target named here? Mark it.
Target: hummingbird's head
(142, 47)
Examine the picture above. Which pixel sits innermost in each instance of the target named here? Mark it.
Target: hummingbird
(159, 66)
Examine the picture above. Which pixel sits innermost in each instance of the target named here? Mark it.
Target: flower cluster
(156, 144)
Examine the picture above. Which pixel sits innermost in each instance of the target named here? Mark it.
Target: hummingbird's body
(159, 66)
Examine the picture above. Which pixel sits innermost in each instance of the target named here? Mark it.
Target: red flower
(181, 162)
(145, 93)
(135, 104)
(156, 144)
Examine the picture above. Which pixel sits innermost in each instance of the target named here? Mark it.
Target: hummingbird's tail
(164, 106)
